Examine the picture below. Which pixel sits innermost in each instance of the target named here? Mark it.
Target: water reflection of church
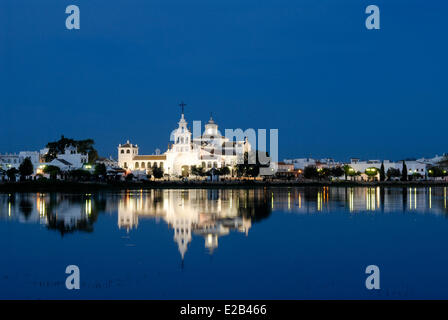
(211, 214)
(207, 213)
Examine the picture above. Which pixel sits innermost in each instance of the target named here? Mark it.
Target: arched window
(136, 165)
(128, 151)
(209, 165)
(125, 165)
(215, 165)
(149, 165)
(182, 140)
(122, 151)
(161, 164)
(143, 165)
(203, 164)
(155, 165)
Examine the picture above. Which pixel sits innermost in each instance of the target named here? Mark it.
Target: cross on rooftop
(182, 105)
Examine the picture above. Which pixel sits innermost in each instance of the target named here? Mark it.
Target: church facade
(209, 150)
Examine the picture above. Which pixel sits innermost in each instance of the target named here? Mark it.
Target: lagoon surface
(264, 243)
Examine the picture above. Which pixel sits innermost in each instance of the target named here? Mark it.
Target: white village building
(71, 159)
(210, 150)
(13, 160)
(302, 163)
(413, 166)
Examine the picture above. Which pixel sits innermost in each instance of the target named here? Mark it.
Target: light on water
(266, 243)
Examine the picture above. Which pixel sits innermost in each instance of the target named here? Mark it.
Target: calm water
(285, 243)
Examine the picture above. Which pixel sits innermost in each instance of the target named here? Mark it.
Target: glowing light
(430, 198)
(415, 198)
(351, 200)
(289, 200)
(444, 197)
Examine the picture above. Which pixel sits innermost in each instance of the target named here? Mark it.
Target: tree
(382, 172)
(157, 172)
(26, 168)
(349, 171)
(416, 176)
(323, 173)
(197, 171)
(310, 172)
(80, 174)
(337, 171)
(371, 172)
(53, 171)
(435, 172)
(100, 169)
(224, 171)
(250, 165)
(404, 172)
(86, 146)
(11, 174)
(393, 173)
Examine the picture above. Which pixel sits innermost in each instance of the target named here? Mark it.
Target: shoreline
(64, 186)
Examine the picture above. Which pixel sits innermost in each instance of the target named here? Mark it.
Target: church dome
(211, 128)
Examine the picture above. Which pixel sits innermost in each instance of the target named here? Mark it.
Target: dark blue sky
(309, 68)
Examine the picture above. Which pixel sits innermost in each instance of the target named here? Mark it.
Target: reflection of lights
(289, 200)
(350, 200)
(41, 207)
(141, 199)
(415, 198)
(430, 198)
(412, 205)
(300, 201)
(444, 197)
(370, 199)
(89, 207)
(319, 201)
(377, 197)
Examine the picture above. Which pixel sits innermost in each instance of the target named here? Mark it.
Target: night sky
(307, 67)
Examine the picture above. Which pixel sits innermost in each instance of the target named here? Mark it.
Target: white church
(209, 150)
